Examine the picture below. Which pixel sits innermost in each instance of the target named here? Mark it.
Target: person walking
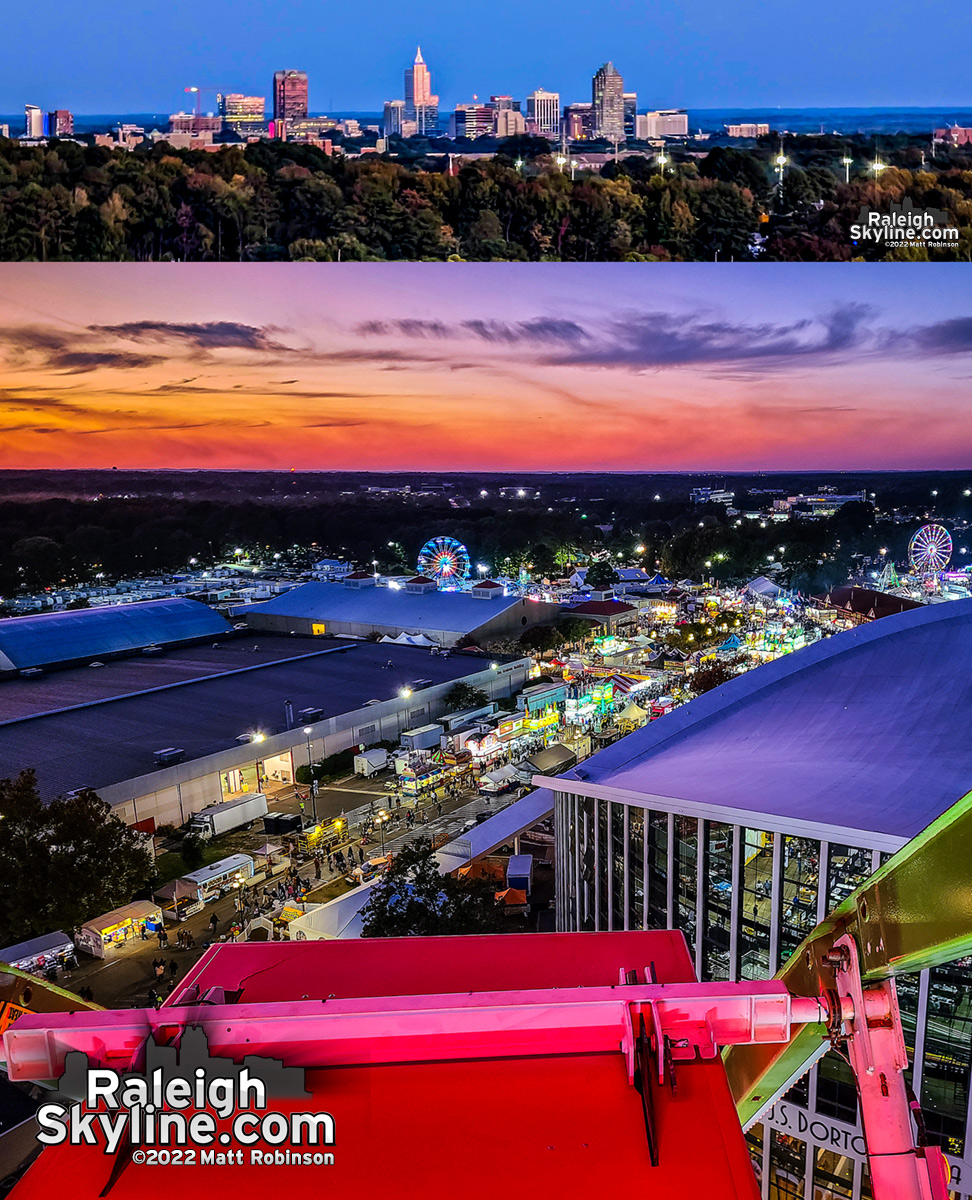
(214, 923)
(160, 934)
(317, 868)
(173, 970)
(160, 970)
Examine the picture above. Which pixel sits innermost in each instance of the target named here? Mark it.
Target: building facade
(421, 105)
(289, 95)
(663, 123)
(245, 115)
(607, 98)
(630, 114)
(543, 112)
(33, 121)
(60, 123)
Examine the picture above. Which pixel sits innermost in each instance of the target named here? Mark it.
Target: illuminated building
(421, 106)
(607, 99)
(245, 115)
(289, 95)
(543, 112)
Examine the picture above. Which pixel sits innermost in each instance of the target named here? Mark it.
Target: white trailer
(233, 814)
(370, 762)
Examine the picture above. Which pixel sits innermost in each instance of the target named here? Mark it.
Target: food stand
(104, 936)
(40, 954)
(219, 877)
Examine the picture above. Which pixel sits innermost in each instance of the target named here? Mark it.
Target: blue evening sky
(114, 57)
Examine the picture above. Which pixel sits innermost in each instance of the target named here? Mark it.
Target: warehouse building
(59, 639)
(167, 735)
(360, 607)
(748, 815)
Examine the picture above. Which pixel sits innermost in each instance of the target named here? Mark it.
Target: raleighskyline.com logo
(904, 225)
(187, 1108)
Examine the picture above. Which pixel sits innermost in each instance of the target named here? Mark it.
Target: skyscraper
(289, 95)
(34, 123)
(421, 106)
(60, 123)
(394, 118)
(630, 113)
(607, 97)
(243, 114)
(543, 111)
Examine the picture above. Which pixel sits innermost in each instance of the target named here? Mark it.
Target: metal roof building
(55, 639)
(746, 816)
(355, 611)
(865, 730)
(182, 742)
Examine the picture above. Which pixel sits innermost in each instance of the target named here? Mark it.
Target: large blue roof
(866, 730)
(62, 637)
(458, 611)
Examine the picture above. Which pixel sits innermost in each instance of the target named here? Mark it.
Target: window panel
(717, 876)
(756, 874)
(636, 869)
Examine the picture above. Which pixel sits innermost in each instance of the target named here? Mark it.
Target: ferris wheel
(930, 549)
(445, 560)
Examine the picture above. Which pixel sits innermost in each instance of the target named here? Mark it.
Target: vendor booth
(41, 954)
(106, 935)
(219, 877)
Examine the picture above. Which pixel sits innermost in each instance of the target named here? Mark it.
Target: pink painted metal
(900, 1169)
(697, 1019)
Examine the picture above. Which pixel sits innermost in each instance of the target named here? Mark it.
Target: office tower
(289, 95)
(394, 118)
(578, 122)
(60, 123)
(33, 121)
(499, 103)
(664, 122)
(543, 112)
(508, 122)
(471, 121)
(245, 115)
(421, 106)
(607, 98)
(630, 113)
(183, 122)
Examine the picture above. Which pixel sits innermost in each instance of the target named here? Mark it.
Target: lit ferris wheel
(445, 560)
(930, 549)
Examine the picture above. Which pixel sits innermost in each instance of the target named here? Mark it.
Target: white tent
(409, 639)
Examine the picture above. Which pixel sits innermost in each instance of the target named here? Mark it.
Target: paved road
(125, 978)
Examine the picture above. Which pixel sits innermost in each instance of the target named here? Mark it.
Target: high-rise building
(394, 118)
(471, 121)
(33, 121)
(183, 122)
(243, 114)
(508, 122)
(60, 123)
(578, 122)
(607, 97)
(630, 113)
(421, 106)
(543, 112)
(289, 95)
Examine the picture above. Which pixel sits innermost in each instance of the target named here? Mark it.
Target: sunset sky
(446, 367)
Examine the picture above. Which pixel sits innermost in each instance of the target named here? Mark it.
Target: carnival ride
(463, 1005)
(445, 560)
(930, 550)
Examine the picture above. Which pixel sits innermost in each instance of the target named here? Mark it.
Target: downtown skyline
(437, 367)
(702, 56)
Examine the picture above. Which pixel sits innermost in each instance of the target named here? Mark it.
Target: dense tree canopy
(413, 900)
(287, 201)
(62, 863)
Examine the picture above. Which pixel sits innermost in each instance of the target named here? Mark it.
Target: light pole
(847, 160)
(308, 730)
(380, 820)
(781, 161)
(663, 160)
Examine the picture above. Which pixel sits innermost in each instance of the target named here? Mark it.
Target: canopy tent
(632, 712)
(765, 588)
(409, 639)
(177, 890)
(732, 642)
(511, 897)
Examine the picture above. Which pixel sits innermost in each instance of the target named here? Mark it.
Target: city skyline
(586, 367)
(710, 58)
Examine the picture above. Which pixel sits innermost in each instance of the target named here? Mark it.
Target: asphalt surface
(125, 978)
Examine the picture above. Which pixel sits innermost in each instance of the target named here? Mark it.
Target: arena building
(165, 735)
(359, 607)
(746, 816)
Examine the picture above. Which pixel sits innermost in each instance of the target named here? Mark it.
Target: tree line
(272, 201)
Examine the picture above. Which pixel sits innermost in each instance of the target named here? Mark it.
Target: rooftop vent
(165, 758)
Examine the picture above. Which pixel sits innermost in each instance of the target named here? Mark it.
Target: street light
(405, 693)
(560, 161)
(877, 166)
(781, 160)
(663, 160)
(847, 160)
(380, 820)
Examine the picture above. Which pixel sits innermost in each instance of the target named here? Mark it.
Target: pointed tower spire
(418, 55)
